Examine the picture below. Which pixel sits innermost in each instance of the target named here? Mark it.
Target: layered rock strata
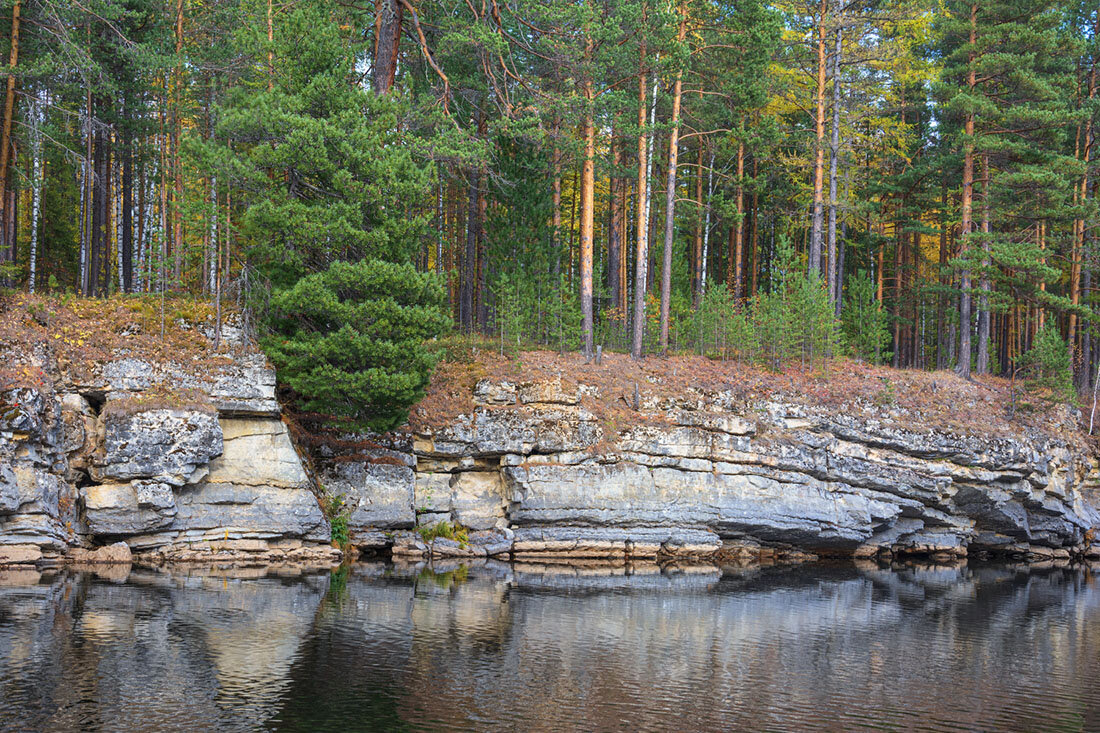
(193, 462)
(178, 462)
(532, 472)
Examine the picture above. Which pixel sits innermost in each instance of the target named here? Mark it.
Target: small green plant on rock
(338, 512)
(447, 531)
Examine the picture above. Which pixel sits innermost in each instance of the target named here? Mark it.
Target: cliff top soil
(82, 333)
(910, 399)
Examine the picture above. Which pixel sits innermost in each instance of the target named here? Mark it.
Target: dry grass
(159, 398)
(911, 398)
(82, 333)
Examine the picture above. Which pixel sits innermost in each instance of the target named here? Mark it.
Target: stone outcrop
(183, 461)
(697, 476)
(173, 461)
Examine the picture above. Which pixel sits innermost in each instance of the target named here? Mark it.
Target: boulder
(117, 553)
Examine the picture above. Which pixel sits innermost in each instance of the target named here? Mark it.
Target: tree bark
(753, 233)
(670, 195)
(7, 253)
(614, 233)
(127, 243)
(697, 241)
(386, 43)
(1079, 224)
(555, 235)
(982, 361)
(469, 260)
(177, 201)
(737, 232)
(36, 186)
(963, 365)
(642, 244)
(706, 229)
(588, 186)
(819, 147)
(834, 155)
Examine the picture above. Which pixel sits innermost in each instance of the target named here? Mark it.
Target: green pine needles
(1047, 367)
(351, 341)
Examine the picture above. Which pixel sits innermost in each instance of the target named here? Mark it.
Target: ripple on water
(383, 648)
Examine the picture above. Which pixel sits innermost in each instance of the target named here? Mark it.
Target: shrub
(445, 530)
(865, 324)
(796, 321)
(350, 341)
(1047, 367)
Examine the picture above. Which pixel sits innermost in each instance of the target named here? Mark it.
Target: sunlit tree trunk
(819, 147)
(588, 186)
(963, 366)
(642, 234)
(670, 195)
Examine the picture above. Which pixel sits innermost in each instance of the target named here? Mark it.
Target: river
(537, 648)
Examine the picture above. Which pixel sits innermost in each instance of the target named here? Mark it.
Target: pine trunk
(642, 241)
(834, 156)
(7, 238)
(386, 44)
(670, 197)
(819, 147)
(963, 365)
(588, 186)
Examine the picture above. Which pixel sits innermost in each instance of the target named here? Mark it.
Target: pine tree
(351, 341)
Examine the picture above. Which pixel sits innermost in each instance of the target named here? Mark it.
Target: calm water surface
(524, 648)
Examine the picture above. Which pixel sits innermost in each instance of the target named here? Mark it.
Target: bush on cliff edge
(351, 341)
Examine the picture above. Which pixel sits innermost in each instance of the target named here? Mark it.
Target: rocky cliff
(187, 456)
(544, 469)
(178, 460)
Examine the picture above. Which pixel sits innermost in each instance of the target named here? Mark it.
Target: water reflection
(499, 647)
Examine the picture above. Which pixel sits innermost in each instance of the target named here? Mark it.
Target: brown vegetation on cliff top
(83, 333)
(911, 399)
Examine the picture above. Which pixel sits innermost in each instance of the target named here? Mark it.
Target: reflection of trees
(542, 649)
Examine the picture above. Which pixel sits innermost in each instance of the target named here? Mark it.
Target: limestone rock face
(128, 509)
(243, 386)
(213, 510)
(164, 444)
(380, 495)
(187, 463)
(701, 474)
(19, 554)
(257, 452)
(167, 457)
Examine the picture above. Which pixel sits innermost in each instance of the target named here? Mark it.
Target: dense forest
(906, 181)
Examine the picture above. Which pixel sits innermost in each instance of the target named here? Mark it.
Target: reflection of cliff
(782, 648)
(154, 653)
(543, 648)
